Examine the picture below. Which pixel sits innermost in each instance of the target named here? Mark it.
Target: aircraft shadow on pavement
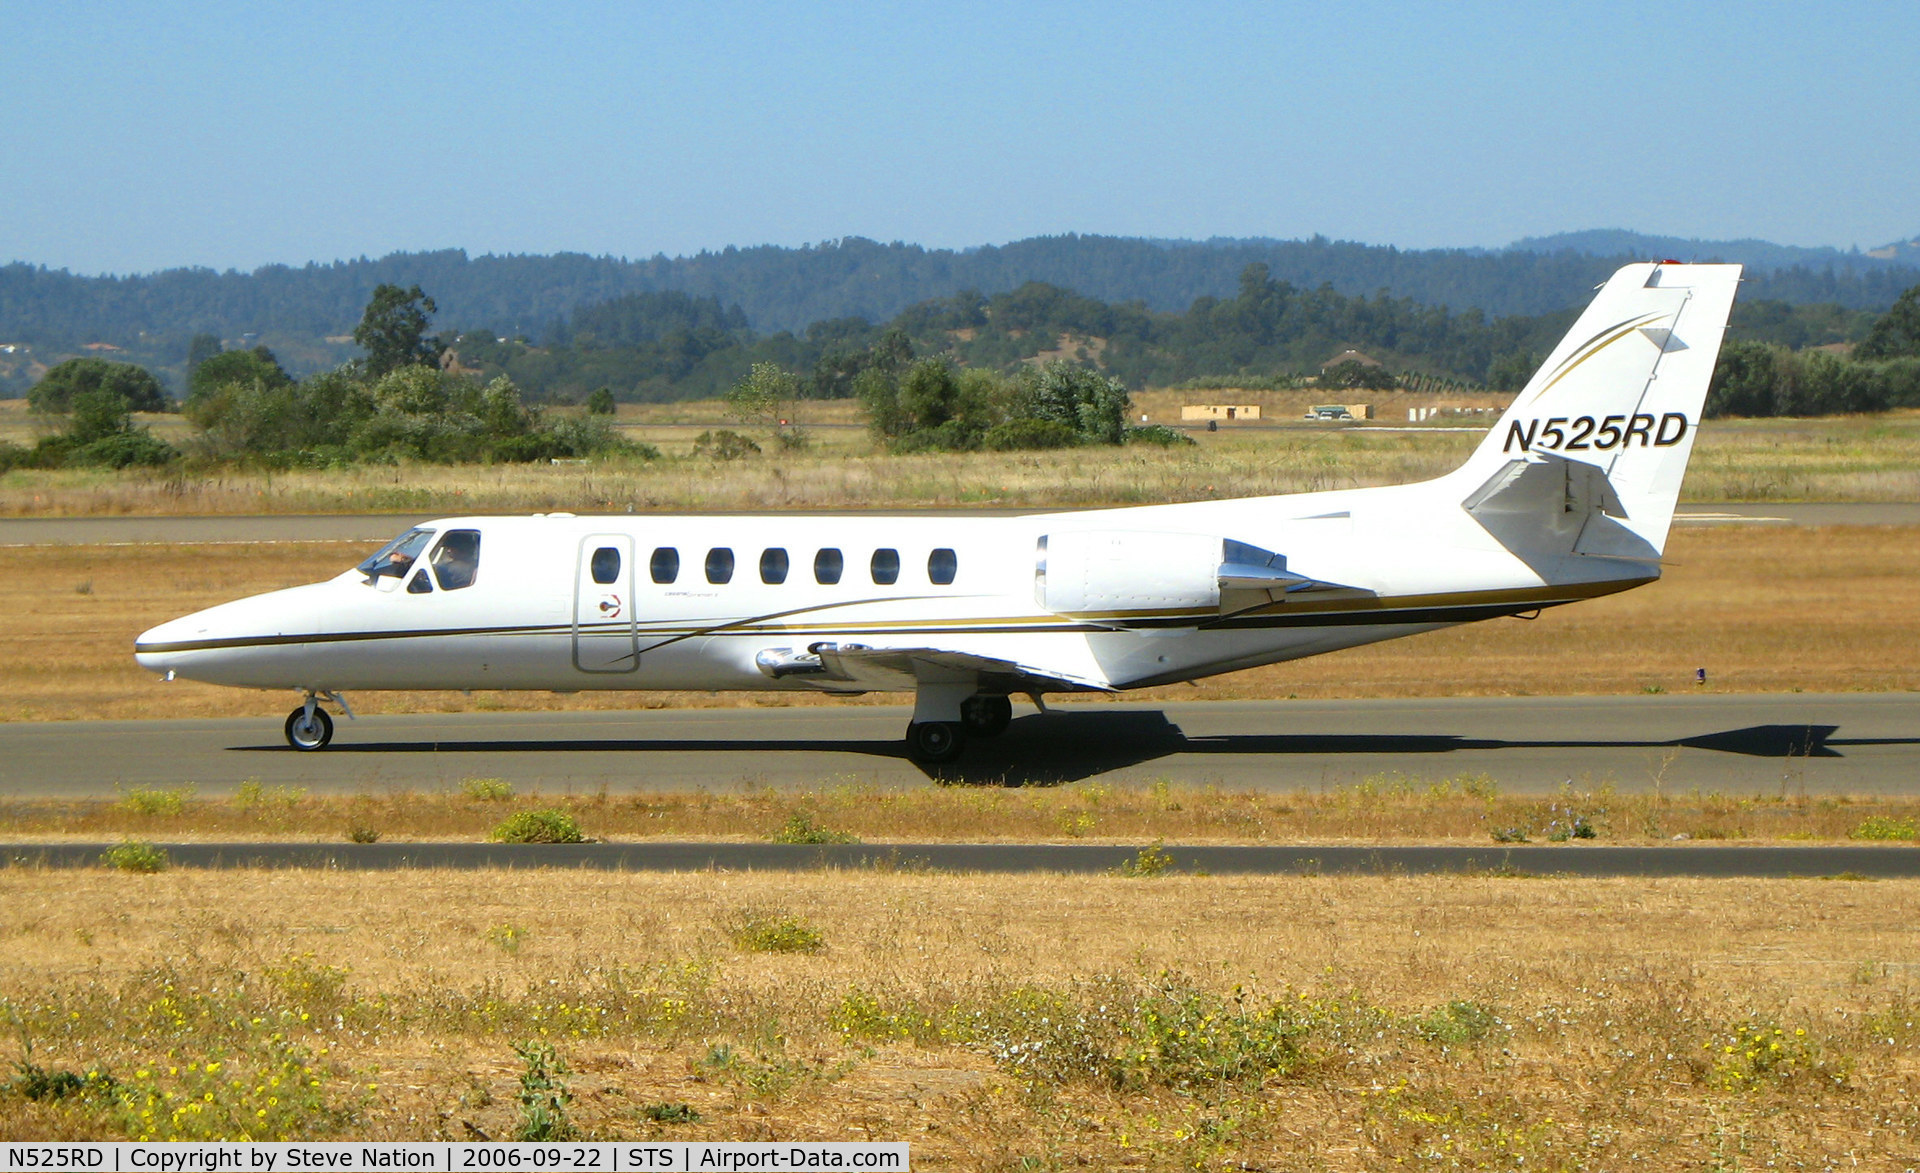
(1048, 749)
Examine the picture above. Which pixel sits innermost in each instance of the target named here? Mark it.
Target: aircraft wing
(863, 668)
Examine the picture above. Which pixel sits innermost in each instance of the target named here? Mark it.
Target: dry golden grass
(1763, 609)
(1866, 458)
(995, 1022)
(1468, 809)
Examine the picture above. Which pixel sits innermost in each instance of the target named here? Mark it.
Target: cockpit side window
(398, 556)
(456, 560)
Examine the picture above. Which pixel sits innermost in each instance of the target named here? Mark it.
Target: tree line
(791, 288)
(959, 374)
(652, 347)
(397, 403)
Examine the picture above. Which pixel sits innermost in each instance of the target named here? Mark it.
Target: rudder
(1621, 394)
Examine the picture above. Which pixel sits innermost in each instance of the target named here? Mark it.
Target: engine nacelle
(1117, 574)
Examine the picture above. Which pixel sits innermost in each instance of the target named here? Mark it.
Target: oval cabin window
(773, 566)
(886, 567)
(941, 566)
(606, 565)
(665, 565)
(828, 565)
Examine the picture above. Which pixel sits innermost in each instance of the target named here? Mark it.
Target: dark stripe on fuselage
(1345, 613)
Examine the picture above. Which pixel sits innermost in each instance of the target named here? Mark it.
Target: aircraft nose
(159, 649)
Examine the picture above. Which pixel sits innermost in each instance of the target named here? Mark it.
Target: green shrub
(802, 829)
(487, 789)
(775, 932)
(538, 826)
(724, 444)
(1161, 435)
(1880, 827)
(37, 1083)
(674, 1113)
(361, 832)
(135, 855)
(1457, 1023)
(1025, 434)
(156, 802)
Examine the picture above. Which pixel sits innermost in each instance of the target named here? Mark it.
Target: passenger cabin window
(665, 564)
(719, 565)
(456, 560)
(398, 556)
(773, 566)
(886, 567)
(941, 565)
(605, 565)
(828, 566)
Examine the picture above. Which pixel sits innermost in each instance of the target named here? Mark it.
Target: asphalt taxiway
(1742, 745)
(1782, 862)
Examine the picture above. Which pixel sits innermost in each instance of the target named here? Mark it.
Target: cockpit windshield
(398, 556)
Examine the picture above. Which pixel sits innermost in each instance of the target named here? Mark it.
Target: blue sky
(148, 136)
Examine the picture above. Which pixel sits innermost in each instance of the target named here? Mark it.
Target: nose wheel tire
(935, 741)
(306, 732)
(986, 716)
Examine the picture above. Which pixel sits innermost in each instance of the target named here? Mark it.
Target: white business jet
(1568, 498)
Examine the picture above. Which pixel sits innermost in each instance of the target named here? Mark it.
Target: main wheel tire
(308, 734)
(935, 741)
(986, 716)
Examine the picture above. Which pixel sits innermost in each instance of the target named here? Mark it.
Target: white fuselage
(1381, 563)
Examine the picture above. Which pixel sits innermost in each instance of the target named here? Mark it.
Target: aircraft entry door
(605, 629)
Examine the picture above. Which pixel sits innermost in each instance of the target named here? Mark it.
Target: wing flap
(860, 667)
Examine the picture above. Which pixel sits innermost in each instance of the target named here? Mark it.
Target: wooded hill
(1148, 311)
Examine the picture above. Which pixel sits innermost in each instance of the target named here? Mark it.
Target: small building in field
(1220, 411)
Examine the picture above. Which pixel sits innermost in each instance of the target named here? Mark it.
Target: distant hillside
(1755, 254)
(293, 309)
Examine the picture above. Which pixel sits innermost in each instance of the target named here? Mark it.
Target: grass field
(1394, 808)
(1874, 458)
(996, 1023)
(1763, 609)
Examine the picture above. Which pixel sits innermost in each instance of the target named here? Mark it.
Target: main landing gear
(309, 727)
(934, 742)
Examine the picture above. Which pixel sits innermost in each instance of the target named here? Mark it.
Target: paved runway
(1744, 745)
(1583, 860)
(43, 531)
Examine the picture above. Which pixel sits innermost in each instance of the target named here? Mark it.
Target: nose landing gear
(309, 727)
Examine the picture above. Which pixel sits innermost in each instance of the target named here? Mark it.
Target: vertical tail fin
(1607, 423)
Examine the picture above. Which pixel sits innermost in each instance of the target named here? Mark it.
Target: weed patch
(1879, 827)
(774, 932)
(156, 802)
(537, 826)
(543, 1094)
(135, 855)
(1151, 860)
(800, 828)
(487, 789)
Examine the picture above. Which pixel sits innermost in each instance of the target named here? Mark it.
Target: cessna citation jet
(1568, 498)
